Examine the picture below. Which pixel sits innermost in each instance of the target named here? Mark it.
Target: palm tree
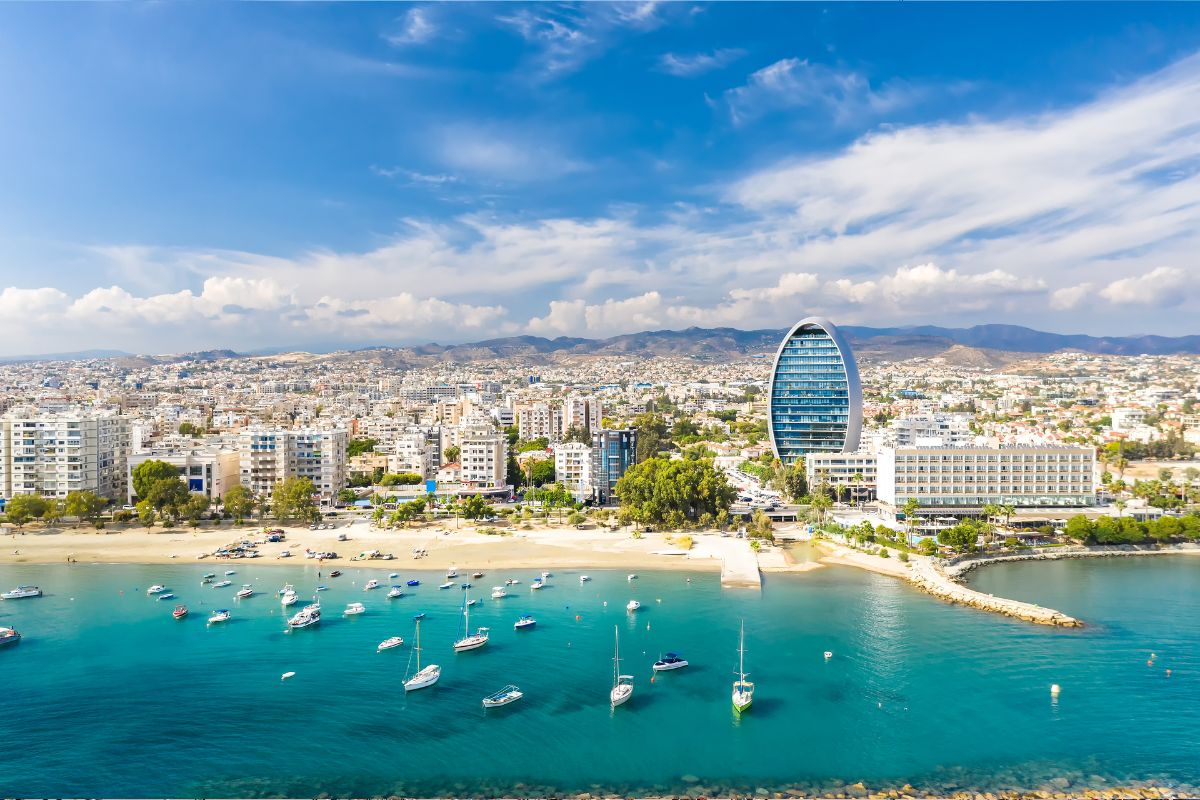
(857, 478)
(1120, 504)
(910, 517)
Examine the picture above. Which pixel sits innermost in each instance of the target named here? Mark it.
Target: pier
(739, 566)
(932, 578)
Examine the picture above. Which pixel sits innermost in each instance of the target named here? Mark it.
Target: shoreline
(958, 567)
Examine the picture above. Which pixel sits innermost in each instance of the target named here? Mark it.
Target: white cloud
(1159, 288)
(1069, 297)
(416, 28)
(686, 66)
(564, 38)
(504, 152)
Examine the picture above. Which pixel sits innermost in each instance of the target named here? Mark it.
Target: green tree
(146, 513)
(149, 473)
(577, 433)
(1080, 529)
(475, 507)
(168, 495)
(84, 505)
(293, 499)
(820, 503)
(761, 526)
(24, 507)
(346, 496)
(791, 480)
(357, 447)
(194, 507)
(671, 492)
(910, 508)
(452, 453)
(651, 435)
(239, 502)
(542, 472)
(533, 445)
(55, 509)
(962, 537)
(401, 479)
(512, 471)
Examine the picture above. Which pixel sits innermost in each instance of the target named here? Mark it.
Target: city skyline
(398, 175)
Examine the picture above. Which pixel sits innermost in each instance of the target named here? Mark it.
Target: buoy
(606, 604)
(1055, 689)
(828, 654)
(577, 618)
(1168, 673)
(658, 599)
(287, 675)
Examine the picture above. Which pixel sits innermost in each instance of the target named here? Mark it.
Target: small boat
(499, 593)
(420, 615)
(335, 573)
(393, 574)
(743, 690)
(354, 608)
(470, 641)
(476, 575)
(584, 578)
(289, 598)
(33, 591)
(395, 592)
(828, 654)
(447, 585)
(244, 592)
(622, 688)
(509, 694)
(511, 582)
(309, 615)
(157, 588)
(547, 575)
(220, 615)
(471, 603)
(166, 596)
(231, 572)
(322, 588)
(632, 605)
(426, 677)
(452, 573)
(287, 587)
(526, 621)
(631, 576)
(180, 612)
(414, 582)
(9, 636)
(537, 584)
(222, 584)
(371, 584)
(670, 661)
(466, 586)
(286, 675)
(207, 578)
(389, 643)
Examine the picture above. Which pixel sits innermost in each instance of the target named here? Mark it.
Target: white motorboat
(353, 609)
(371, 584)
(393, 574)
(220, 615)
(547, 575)
(499, 593)
(9, 636)
(537, 584)
(670, 661)
(524, 623)
(287, 587)
(426, 677)
(743, 690)
(395, 592)
(511, 582)
(622, 688)
(389, 643)
(447, 585)
(157, 588)
(208, 578)
(22, 592)
(584, 578)
(452, 573)
(631, 576)
(632, 605)
(289, 598)
(166, 596)
(222, 584)
(246, 591)
(509, 694)
(309, 615)
(470, 641)
(231, 572)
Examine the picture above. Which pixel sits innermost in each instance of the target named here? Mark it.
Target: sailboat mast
(742, 653)
(466, 613)
(418, 645)
(616, 655)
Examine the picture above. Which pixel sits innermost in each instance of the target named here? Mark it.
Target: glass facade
(613, 452)
(815, 396)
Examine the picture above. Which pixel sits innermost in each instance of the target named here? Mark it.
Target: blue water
(108, 695)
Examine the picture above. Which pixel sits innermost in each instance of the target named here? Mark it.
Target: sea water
(108, 695)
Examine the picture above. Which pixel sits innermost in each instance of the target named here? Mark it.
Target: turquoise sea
(109, 696)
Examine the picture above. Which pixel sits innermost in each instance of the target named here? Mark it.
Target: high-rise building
(540, 420)
(483, 457)
(613, 452)
(573, 467)
(273, 455)
(54, 454)
(815, 398)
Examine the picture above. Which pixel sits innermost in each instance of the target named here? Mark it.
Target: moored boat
(389, 643)
(537, 584)
(743, 690)
(426, 677)
(21, 592)
(353, 609)
(166, 596)
(9, 636)
(498, 593)
(584, 578)
(395, 592)
(309, 615)
(246, 591)
(632, 605)
(509, 694)
(289, 598)
(220, 615)
(371, 584)
(447, 585)
(180, 612)
(524, 623)
(413, 582)
(222, 584)
(622, 688)
(670, 661)
(157, 588)
(470, 641)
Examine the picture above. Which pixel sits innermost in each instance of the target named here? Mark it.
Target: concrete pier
(739, 566)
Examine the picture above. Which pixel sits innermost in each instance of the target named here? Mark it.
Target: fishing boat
(426, 677)
(289, 598)
(22, 592)
(9, 636)
(309, 615)
(524, 623)
(180, 612)
(413, 582)
(584, 578)
(622, 688)
(166, 596)
(395, 592)
(447, 585)
(470, 641)
(509, 694)
(222, 584)
(499, 593)
(670, 661)
(220, 615)
(743, 690)
(389, 643)
(157, 588)
(246, 591)
(537, 584)
(371, 584)
(353, 609)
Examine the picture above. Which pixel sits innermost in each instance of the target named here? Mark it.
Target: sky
(185, 176)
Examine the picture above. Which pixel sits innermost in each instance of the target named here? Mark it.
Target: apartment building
(949, 429)
(857, 472)
(483, 457)
(573, 467)
(540, 420)
(613, 453)
(210, 471)
(271, 455)
(54, 454)
(582, 411)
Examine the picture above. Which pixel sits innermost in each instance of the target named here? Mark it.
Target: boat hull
(473, 643)
(423, 679)
(620, 695)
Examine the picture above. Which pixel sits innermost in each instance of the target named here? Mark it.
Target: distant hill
(80, 355)
(1016, 338)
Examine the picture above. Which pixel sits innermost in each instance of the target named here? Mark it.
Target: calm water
(108, 695)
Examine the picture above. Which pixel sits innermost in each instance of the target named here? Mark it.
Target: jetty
(930, 576)
(739, 566)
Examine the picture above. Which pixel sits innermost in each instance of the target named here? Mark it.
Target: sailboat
(743, 690)
(622, 688)
(470, 641)
(423, 677)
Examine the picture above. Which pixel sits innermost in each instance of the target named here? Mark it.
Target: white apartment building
(54, 454)
(1127, 419)
(211, 471)
(858, 471)
(271, 455)
(582, 411)
(573, 467)
(483, 456)
(416, 452)
(950, 429)
(540, 420)
(967, 478)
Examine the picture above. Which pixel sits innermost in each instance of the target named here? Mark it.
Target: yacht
(632, 605)
(423, 678)
(670, 661)
(166, 596)
(447, 585)
(220, 615)
(537, 584)
(180, 612)
(222, 584)
(414, 582)
(622, 688)
(476, 575)
(231, 572)
(157, 588)
(246, 591)
(743, 690)
(499, 593)
(525, 622)
(309, 615)
(289, 598)
(371, 584)
(22, 591)
(389, 643)
(287, 587)
(353, 609)
(9, 636)
(584, 578)
(509, 694)
(511, 582)
(470, 641)
(395, 592)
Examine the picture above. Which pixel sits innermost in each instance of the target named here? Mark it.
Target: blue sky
(183, 176)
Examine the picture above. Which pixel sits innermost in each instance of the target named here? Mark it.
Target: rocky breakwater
(931, 577)
(961, 566)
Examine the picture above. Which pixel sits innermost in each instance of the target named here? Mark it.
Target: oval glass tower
(815, 398)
